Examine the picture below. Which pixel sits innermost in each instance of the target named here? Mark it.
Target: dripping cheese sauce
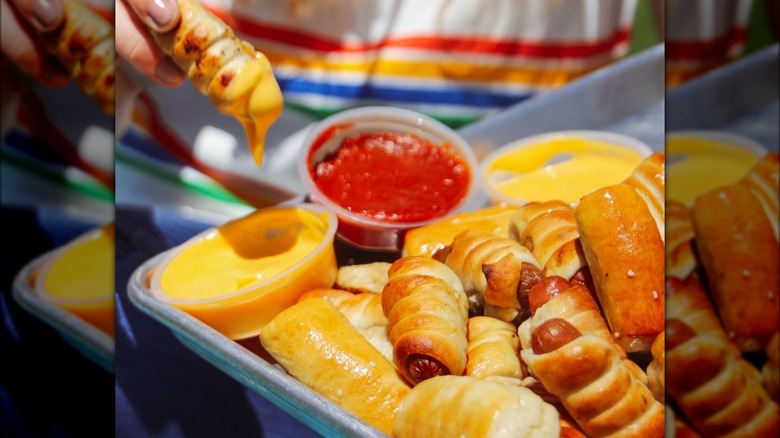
(390, 177)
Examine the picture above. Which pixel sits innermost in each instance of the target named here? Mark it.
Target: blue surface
(47, 388)
(164, 389)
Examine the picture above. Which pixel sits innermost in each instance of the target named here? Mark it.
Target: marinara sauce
(392, 177)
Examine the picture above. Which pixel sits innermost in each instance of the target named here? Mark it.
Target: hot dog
(237, 78)
(717, 390)
(84, 44)
(593, 384)
(427, 314)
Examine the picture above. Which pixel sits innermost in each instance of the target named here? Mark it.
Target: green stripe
(94, 190)
(206, 188)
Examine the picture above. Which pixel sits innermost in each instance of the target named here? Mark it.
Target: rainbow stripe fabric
(455, 60)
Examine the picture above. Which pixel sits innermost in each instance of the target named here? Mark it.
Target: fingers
(135, 45)
(22, 48)
(44, 15)
(158, 15)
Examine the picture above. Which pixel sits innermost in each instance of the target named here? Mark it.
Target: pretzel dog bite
(427, 311)
(237, 78)
(84, 44)
(586, 373)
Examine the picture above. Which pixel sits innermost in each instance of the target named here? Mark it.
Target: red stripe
(309, 41)
(700, 50)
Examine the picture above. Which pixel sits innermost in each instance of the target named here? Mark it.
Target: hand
(21, 21)
(135, 44)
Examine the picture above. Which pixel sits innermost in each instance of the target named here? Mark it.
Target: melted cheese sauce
(242, 254)
(696, 165)
(81, 278)
(561, 168)
(263, 105)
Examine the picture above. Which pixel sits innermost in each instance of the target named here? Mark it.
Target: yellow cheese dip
(696, 165)
(237, 276)
(80, 278)
(563, 168)
(242, 253)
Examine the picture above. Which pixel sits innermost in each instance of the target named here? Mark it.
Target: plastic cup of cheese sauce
(79, 278)
(386, 170)
(561, 165)
(238, 276)
(701, 160)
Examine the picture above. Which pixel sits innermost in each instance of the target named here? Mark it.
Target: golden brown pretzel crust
(597, 389)
(492, 270)
(577, 306)
(237, 78)
(427, 314)
(740, 256)
(549, 230)
(84, 44)
(493, 351)
(625, 254)
(451, 406)
(689, 303)
(317, 345)
(719, 392)
(736, 236)
(681, 259)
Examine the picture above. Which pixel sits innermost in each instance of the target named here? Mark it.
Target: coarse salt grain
(655, 294)
(631, 273)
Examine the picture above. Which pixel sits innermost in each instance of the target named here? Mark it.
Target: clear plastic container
(559, 165)
(243, 273)
(327, 136)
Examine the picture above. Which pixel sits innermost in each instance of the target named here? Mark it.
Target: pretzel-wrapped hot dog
(688, 302)
(587, 374)
(317, 345)
(493, 351)
(427, 312)
(549, 230)
(237, 78)
(554, 297)
(681, 260)
(450, 406)
(84, 44)
(719, 393)
(497, 273)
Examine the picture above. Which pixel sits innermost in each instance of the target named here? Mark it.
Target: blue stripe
(369, 91)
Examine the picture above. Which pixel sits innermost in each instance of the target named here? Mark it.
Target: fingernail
(161, 12)
(169, 72)
(47, 14)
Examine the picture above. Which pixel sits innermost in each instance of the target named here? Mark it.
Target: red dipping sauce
(391, 177)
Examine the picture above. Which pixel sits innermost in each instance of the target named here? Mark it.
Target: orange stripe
(549, 76)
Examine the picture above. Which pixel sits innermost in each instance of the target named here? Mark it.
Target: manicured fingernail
(47, 14)
(161, 13)
(169, 72)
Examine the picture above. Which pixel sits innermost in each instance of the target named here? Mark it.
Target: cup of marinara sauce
(386, 170)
